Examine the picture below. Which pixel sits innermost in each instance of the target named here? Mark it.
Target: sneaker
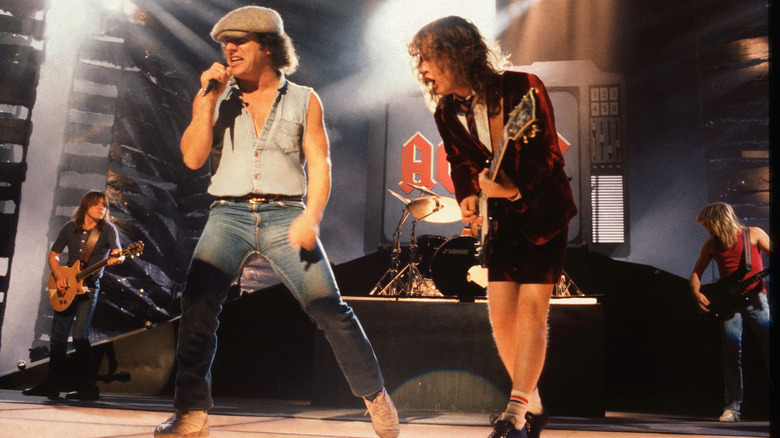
(43, 389)
(84, 394)
(184, 424)
(384, 417)
(729, 416)
(505, 429)
(534, 423)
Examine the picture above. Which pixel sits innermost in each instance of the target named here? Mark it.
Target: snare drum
(455, 269)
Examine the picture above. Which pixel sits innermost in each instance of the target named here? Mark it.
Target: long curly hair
(720, 218)
(92, 197)
(474, 60)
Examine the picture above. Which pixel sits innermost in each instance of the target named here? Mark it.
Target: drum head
(451, 265)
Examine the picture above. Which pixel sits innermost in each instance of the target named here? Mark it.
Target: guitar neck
(495, 163)
(521, 124)
(744, 284)
(132, 250)
(91, 270)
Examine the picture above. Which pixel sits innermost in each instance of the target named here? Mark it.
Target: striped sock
(516, 408)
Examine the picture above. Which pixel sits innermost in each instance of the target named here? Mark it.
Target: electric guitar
(75, 278)
(727, 296)
(520, 123)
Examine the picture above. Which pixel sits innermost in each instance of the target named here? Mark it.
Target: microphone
(212, 83)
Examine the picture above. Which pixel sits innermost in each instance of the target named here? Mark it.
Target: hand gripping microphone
(212, 83)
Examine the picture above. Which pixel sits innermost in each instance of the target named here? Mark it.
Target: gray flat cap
(240, 22)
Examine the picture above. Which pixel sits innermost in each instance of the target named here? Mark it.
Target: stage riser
(139, 363)
(441, 356)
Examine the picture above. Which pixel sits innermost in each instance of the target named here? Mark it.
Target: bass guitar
(75, 278)
(727, 296)
(520, 123)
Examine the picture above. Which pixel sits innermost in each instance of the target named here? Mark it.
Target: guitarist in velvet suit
(92, 213)
(529, 199)
(726, 246)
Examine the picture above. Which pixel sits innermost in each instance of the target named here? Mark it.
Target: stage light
(68, 22)
(395, 23)
(388, 73)
(111, 5)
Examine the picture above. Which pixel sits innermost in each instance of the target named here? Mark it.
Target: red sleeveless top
(730, 260)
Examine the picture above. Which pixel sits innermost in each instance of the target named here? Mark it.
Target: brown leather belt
(260, 199)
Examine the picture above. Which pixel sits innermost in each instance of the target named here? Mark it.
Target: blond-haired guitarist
(91, 214)
(737, 250)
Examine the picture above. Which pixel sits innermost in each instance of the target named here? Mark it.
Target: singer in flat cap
(258, 130)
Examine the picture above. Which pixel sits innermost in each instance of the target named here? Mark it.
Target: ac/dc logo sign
(424, 164)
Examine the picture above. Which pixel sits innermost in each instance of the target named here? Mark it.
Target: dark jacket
(535, 167)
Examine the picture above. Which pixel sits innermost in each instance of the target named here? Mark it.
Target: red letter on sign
(417, 164)
(443, 169)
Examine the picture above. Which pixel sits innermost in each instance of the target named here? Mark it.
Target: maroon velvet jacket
(535, 167)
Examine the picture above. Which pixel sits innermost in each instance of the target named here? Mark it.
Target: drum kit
(437, 266)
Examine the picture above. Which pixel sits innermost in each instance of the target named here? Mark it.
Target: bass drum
(455, 270)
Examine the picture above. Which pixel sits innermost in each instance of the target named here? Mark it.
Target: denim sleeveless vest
(244, 162)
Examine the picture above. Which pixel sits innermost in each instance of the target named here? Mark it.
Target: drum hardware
(566, 287)
(404, 281)
(409, 281)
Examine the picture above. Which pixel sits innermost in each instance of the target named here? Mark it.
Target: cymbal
(423, 189)
(434, 209)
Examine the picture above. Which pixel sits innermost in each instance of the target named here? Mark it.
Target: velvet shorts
(516, 259)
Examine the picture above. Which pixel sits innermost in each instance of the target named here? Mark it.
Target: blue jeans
(79, 317)
(233, 233)
(756, 314)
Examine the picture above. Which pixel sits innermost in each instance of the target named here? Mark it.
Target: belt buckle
(257, 200)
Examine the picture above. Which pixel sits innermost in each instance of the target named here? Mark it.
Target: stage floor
(135, 416)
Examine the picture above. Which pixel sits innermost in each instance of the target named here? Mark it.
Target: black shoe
(43, 389)
(84, 394)
(505, 429)
(534, 423)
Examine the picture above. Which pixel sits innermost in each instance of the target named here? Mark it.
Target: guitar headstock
(133, 250)
(522, 119)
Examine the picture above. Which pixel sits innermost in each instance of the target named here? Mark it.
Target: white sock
(516, 408)
(535, 404)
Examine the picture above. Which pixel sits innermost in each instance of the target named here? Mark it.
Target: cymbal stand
(566, 287)
(415, 281)
(394, 274)
(396, 286)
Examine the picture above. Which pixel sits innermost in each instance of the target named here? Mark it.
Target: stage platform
(136, 416)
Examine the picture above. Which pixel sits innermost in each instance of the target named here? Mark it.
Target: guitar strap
(746, 248)
(91, 241)
(496, 124)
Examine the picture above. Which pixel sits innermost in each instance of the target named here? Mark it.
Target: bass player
(727, 246)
